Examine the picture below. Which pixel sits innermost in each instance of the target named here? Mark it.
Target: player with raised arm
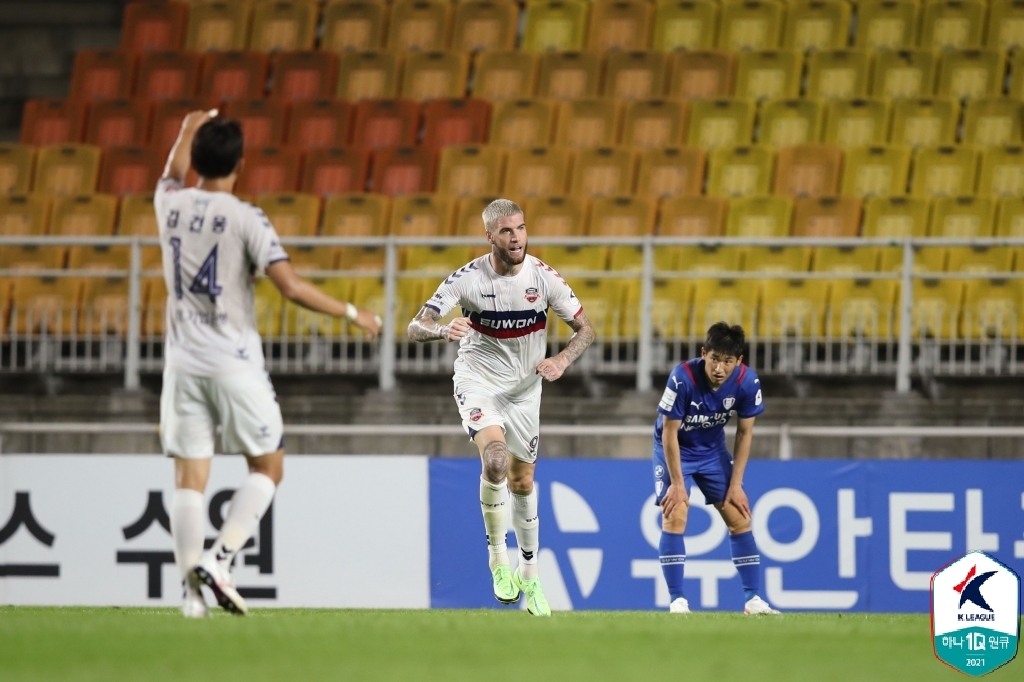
(214, 373)
(502, 335)
(700, 397)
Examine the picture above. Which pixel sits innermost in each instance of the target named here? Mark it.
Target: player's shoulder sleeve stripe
(743, 373)
(689, 372)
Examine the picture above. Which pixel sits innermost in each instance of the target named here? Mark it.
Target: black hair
(217, 148)
(726, 340)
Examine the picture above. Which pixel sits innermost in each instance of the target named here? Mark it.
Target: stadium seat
(620, 25)
(262, 121)
(1002, 173)
(354, 26)
(654, 123)
(603, 301)
(319, 124)
(1010, 223)
(759, 217)
(776, 258)
(720, 123)
(635, 75)
(505, 75)
(569, 75)
(52, 121)
(88, 215)
(733, 301)
(485, 25)
(269, 169)
(670, 308)
(793, 308)
(368, 75)
(711, 259)
(118, 123)
(992, 309)
(130, 169)
(816, 25)
(168, 75)
(434, 75)
(284, 25)
(65, 170)
(944, 172)
(992, 122)
(167, 118)
(154, 306)
(788, 122)
(887, 25)
(857, 122)
(423, 215)
(904, 73)
(335, 171)
(668, 172)
(44, 305)
(952, 24)
(604, 172)
(303, 75)
(102, 74)
(17, 162)
(967, 216)
(469, 216)
(357, 215)
(233, 75)
(702, 74)
(863, 308)
(297, 215)
(1005, 26)
(740, 172)
(808, 170)
(685, 25)
(994, 259)
(218, 26)
(967, 74)
(838, 74)
(386, 123)
(403, 170)
(846, 259)
(773, 74)
(153, 26)
(557, 216)
(137, 216)
(623, 217)
(895, 217)
(587, 122)
(103, 310)
(936, 308)
(522, 123)
(826, 217)
(536, 172)
(418, 25)
(455, 121)
(750, 25)
(27, 215)
(876, 171)
(555, 25)
(1017, 74)
(924, 122)
(692, 216)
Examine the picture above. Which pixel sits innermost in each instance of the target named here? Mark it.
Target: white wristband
(351, 312)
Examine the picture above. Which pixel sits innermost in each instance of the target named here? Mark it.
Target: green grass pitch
(109, 644)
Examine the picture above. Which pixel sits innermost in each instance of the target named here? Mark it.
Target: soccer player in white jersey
(502, 335)
(214, 374)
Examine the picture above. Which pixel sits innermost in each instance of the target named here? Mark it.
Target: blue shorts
(711, 474)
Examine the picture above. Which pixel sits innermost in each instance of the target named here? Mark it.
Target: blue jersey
(704, 412)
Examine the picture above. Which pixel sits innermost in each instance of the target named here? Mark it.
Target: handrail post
(386, 371)
(906, 315)
(645, 350)
(785, 443)
(134, 335)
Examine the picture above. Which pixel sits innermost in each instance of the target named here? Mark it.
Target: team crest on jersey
(729, 402)
(532, 295)
(475, 414)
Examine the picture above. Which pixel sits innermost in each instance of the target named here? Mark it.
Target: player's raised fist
(550, 369)
(458, 328)
(368, 321)
(194, 119)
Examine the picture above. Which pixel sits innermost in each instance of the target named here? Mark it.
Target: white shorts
(517, 415)
(243, 405)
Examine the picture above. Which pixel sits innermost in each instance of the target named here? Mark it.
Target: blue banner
(833, 535)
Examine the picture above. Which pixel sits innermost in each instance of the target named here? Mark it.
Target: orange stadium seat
(876, 171)
(88, 215)
(992, 122)
(522, 123)
(368, 75)
(558, 216)
(536, 172)
(469, 215)
(52, 121)
(422, 215)
(720, 123)
(130, 169)
(102, 74)
(386, 123)
(808, 170)
(622, 217)
(669, 172)
(168, 75)
(944, 172)
(455, 121)
(354, 25)
(620, 25)
(635, 75)
(555, 25)
(357, 215)
(470, 170)
(303, 75)
(137, 216)
(262, 121)
(104, 306)
(118, 123)
(654, 123)
(887, 25)
(335, 171)
(269, 169)
(740, 171)
(817, 25)
(27, 215)
(485, 25)
(842, 74)
(703, 74)
(952, 24)
(587, 122)
(826, 217)
(297, 215)
(319, 124)
(904, 73)
(569, 75)
(153, 25)
(419, 25)
(218, 26)
(284, 25)
(604, 172)
(750, 25)
(771, 74)
(167, 118)
(404, 170)
(233, 75)
(924, 122)
(693, 216)
(966, 74)
(16, 165)
(434, 75)
(44, 305)
(1002, 173)
(504, 75)
(64, 170)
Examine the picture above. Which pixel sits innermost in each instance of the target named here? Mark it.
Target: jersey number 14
(205, 281)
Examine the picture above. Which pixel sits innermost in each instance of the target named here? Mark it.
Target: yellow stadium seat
(354, 26)
(522, 123)
(693, 216)
(734, 301)
(623, 217)
(88, 215)
(967, 216)
(992, 121)
(467, 170)
(671, 172)
(45, 305)
(603, 302)
(423, 215)
(1017, 74)
(104, 306)
(788, 122)
(857, 122)
(771, 74)
(759, 217)
(895, 217)
(904, 73)
(302, 322)
(993, 308)
(505, 75)
(560, 216)
(27, 215)
(654, 123)
(1002, 172)
(817, 25)
(604, 172)
(66, 170)
(826, 217)
(469, 221)
(368, 292)
(137, 216)
(537, 172)
(952, 24)
(357, 215)
(569, 75)
(776, 258)
(720, 123)
(792, 308)
(750, 25)
(635, 75)
(924, 122)
(710, 259)
(701, 74)
(846, 259)
(419, 25)
(218, 26)
(485, 25)
(1006, 26)
(864, 308)
(740, 172)
(587, 122)
(368, 75)
(808, 170)
(435, 75)
(685, 25)
(936, 310)
(298, 215)
(944, 172)
(670, 308)
(838, 74)
(284, 25)
(16, 164)
(1010, 223)
(994, 259)
(555, 25)
(620, 25)
(154, 306)
(968, 74)
(887, 25)
(876, 171)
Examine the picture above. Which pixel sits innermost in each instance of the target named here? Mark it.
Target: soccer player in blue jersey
(699, 398)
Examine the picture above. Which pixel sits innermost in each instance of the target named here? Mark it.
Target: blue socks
(673, 557)
(746, 559)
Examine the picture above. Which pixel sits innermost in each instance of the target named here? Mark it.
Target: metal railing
(637, 343)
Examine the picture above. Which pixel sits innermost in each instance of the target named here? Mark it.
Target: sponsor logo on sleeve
(668, 399)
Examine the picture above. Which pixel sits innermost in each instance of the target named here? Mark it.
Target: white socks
(527, 527)
(187, 528)
(494, 505)
(248, 506)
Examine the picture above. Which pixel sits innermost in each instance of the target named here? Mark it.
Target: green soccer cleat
(505, 589)
(536, 602)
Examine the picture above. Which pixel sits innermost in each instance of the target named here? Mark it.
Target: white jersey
(508, 320)
(212, 244)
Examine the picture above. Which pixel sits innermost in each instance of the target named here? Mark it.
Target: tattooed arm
(426, 326)
(553, 368)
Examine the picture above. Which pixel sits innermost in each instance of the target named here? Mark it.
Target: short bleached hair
(499, 208)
